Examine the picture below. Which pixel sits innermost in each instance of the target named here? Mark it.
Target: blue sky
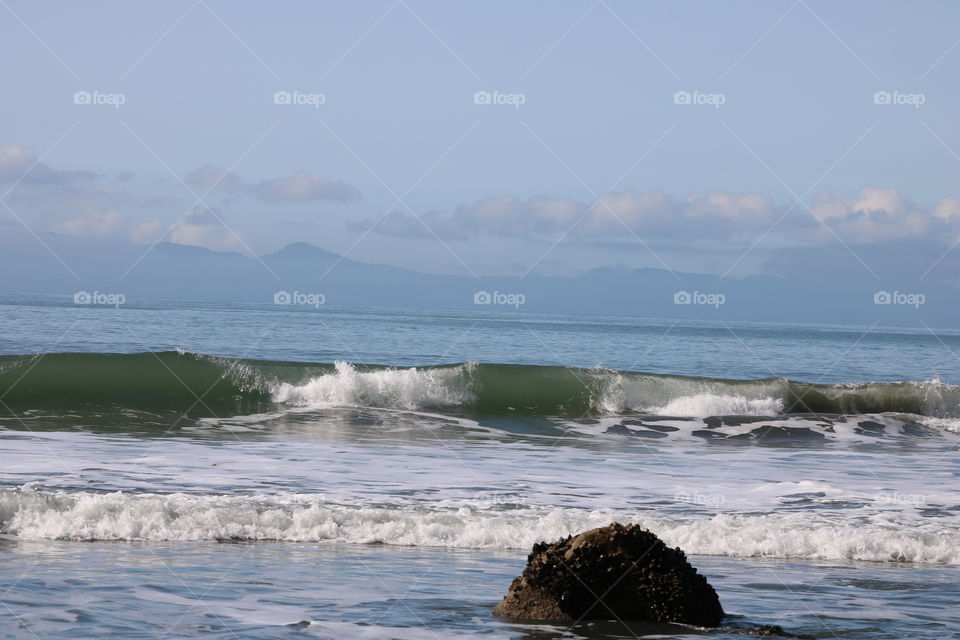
(602, 164)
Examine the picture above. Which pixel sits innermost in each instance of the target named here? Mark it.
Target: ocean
(172, 468)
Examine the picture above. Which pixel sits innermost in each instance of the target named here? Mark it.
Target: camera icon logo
(882, 97)
(882, 297)
(82, 97)
(682, 297)
(482, 297)
(282, 297)
(482, 97)
(682, 97)
(282, 97)
(82, 297)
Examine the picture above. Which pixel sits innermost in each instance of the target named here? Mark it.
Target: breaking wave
(206, 385)
(303, 518)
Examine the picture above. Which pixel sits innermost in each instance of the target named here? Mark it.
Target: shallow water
(294, 590)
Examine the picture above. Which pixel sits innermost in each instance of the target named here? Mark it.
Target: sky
(492, 138)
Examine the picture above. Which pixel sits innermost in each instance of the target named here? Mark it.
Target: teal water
(175, 469)
(407, 337)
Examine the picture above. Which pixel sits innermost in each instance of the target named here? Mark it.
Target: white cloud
(948, 209)
(203, 227)
(87, 204)
(213, 179)
(875, 215)
(502, 216)
(18, 162)
(15, 159)
(882, 214)
(94, 224)
(147, 232)
(218, 238)
(304, 186)
(199, 227)
(611, 216)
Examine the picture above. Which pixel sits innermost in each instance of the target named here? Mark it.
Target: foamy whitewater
(187, 480)
(299, 518)
(390, 388)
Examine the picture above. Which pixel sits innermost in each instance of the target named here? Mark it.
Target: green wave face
(198, 385)
(162, 382)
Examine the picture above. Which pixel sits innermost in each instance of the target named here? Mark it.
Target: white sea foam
(304, 518)
(946, 424)
(410, 388)
(340, 629)
(618, 393)
(704, 405)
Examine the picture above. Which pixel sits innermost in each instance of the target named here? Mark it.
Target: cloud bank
(86, 204)
(90, 205)
(302, 186)
(874, 215)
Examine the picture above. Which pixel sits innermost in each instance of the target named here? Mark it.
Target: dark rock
(709, 435)
(615, 572)
(622, 430)
(713, 422)
(665, 428)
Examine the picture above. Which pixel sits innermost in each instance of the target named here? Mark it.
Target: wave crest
(411, 388)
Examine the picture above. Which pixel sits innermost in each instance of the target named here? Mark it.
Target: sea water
(172, 468)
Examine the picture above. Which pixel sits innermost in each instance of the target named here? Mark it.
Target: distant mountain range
(301, 270)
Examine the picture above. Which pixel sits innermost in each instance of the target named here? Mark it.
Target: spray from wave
(622, 392)
(410, 389)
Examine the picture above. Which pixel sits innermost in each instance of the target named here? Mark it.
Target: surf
(117, 516)
(208, 386)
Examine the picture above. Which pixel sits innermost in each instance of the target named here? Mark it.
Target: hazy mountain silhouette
(195, 273)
